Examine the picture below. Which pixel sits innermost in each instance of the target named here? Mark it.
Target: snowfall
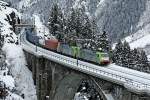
(20, 78)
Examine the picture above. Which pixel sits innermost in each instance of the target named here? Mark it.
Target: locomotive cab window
(105, 55)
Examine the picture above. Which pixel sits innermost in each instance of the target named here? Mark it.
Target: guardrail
(129, 81)
(98, 72)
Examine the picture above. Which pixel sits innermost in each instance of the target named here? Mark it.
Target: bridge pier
(56, 82)
(51, 79)
(44, 78)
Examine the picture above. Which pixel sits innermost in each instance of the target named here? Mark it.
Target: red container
(51, 44)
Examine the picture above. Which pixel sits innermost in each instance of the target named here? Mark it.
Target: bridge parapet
(131, 82)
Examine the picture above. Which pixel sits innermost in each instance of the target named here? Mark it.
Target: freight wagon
(51, 44)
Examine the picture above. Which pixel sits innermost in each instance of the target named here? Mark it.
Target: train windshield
(105, 55)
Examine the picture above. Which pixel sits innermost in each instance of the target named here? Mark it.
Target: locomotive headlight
(105, 58)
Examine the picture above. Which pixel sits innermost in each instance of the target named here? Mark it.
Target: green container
(64, 48)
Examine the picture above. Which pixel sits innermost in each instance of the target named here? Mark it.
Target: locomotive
(95, 57)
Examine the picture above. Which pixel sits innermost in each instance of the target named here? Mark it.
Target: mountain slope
(118, 18)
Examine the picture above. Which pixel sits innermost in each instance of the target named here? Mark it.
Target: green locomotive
(97, 57)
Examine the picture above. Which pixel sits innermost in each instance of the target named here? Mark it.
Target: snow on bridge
(134, 81)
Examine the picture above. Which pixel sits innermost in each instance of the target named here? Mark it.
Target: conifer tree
(79, 24)
(12, 19)
(135, 60)
(143, 62)
(87, 29)
(71, 25)
(117, 53)
(126, 55)
(102, 42)
(56, 22)
(1, 40)
(95, 30)
(87, 33)
(98, 41)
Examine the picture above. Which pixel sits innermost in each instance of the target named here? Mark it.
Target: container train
(95, 57)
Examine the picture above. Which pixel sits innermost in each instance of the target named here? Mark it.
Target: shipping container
(65, 49)
(31, 37)
(51, 44)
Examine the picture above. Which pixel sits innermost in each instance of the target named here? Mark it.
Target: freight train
(95, 57)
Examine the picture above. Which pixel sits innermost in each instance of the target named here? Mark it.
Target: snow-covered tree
(12, 19)
(1, 41)
(134, 59)
(87, 29)
(87, 91)
(79, 26)
(126, 54)
(56, 22)
(89, 32)
(139, 60)
(95, 29)
(71, 22)
(117, 53)
(143, 61)
(102, 42)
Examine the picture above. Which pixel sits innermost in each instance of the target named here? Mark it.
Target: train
(90, 56)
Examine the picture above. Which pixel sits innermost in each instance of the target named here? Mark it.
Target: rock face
(68, 86)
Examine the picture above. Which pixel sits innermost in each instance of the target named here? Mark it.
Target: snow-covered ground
(41, 29)
(141, 40)
(9, 81)
(80, 96)
(26, 3)
(4, 24)
(138, 40)
(22, 75)
(20, 78)
(141, 37)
